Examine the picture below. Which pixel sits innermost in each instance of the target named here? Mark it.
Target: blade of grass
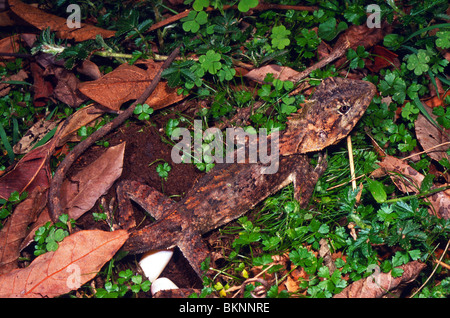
(442, 25)
(433, 80)
(6, 144)
(15, 130)
(15, 83)
(46, 138)
(443, 79)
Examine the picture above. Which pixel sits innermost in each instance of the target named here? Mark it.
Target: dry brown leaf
(77, 260)
(66, 89)
(31, 171)
(436, 101)
(33, 135)
(89, 69)
(128, 82)
(80, 192)
(405, 177)
(430, 136)
(281, 72)
(15, 228)
(80, 118)
(43, 20)
(382, 58)
(409, 180)
(9, 44)
(43, 218)
(382, 284)
(5, 88)
(42, 88)
(325, 253)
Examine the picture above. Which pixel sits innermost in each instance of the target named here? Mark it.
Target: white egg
(154, 262)
(162, 284)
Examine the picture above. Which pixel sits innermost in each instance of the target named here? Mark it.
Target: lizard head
(329, 115)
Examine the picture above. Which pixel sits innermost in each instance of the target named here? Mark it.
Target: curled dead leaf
(283, 73)
(5, 88)
(430, 137)
(80, 192)
(382, 284)
(15, 228)
(31, 171)
(43, 20)
(33, 135)
(77, 260)
(409, 180)
(80, 118)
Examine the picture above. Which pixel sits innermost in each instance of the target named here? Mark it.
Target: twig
(259, 7)
(54, 202)
(434, 270)
(427, 150)
(352, 163)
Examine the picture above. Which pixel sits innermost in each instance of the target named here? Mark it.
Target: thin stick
(352, 163)
(259, 7)
(54, 203)
(434, 270)
(427, 150)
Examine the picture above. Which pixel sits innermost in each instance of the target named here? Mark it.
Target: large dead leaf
(409, 180)
(43, 20)
(31, 171)
(15, 228)
(382, 284)
(128, 82)
(80, 192)
(430, 137)
(77, 260)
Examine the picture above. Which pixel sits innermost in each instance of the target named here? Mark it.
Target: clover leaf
(193, 21)
(210, 62)
(329, 29)
(143, 111)
(279, 37)
(198, 5)
(245, 5)
(443, 39)
(419, 62)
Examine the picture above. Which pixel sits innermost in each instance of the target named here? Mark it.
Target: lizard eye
(344, 109)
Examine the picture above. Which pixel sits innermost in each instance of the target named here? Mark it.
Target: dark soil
(144, 145)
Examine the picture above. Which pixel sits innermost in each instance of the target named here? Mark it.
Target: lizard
(229, 190)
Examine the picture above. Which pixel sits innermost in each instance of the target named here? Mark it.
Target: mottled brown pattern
(230, 190)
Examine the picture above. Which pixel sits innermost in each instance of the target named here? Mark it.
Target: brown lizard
(231, 189)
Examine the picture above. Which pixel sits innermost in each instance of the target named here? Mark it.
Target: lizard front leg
(195, 250)
(306, 178)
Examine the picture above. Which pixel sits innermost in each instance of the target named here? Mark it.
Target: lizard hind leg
(150, 199)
